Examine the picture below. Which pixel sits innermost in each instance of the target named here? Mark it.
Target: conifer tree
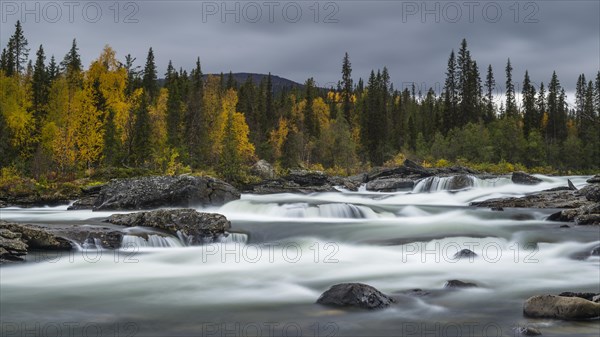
(511, 104)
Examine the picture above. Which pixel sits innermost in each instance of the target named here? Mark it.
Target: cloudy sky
(301, 39)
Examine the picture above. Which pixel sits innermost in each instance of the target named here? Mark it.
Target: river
(287, 249)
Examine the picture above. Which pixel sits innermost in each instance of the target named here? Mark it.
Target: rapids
(286, 249)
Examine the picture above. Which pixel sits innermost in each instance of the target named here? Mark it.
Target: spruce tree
(17, 51)
(529, 109)
(195, 134)
(347, 87)
(511, 105)
(490, 85)
(39, 87)
(71, 66)
(450, 96)
(150, 80)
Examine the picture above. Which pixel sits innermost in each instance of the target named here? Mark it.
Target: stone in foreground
(355, 295)
(195, 226)
(560, 307)
(523, 178)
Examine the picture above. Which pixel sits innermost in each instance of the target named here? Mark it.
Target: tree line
(58, 119)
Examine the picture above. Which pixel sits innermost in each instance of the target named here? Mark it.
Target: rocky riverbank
(581, 207)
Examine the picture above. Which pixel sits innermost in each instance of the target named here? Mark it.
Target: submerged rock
(355, 295)
(528, 331)
(195, 226)
(465, 253)
(560, 307)
(154, 192)
(523, 178)
(459, 284)
(564, 198)
(594, 180)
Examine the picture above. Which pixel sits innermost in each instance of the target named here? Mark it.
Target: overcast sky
(413, 39)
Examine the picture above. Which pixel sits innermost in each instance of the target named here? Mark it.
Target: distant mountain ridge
(279, 83)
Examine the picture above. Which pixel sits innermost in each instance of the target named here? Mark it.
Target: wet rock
(355, 295)
(195, 226)
(584, 215)
(587, 296)
(12, 248)
(465, 253)
(306, 178)
(390, 184)
(459, 284)
(560, 307)
(460, 182)
(595, 251)
(594, 180)
(543, 199)
(571, 185)
(283, 186)
(497, 209)
(596, 299)
(263, 169)
(591, 192)
(37, 237)
(528, 331)
(523, 178)
(163, 191)
(87, 199)
(416, 292)
(588, 219)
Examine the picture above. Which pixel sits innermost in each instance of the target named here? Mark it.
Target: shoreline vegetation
(64, 127)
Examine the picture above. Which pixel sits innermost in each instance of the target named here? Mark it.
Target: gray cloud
(565, 38)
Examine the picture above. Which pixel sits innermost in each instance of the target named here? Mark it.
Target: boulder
(390, 184)
(460, 182)
(459, 284)
(523, 178)
(591, 192)
(584, 215)
(306, 178)
(594, 180)
(263, 169)
(12, 248)
(465, 253)
(528, 331)
(565, 198)
(586, 296)
(560, 307)
(571, 185)
(164, 191)
(355, 295)
(37, 237)
(193, 225)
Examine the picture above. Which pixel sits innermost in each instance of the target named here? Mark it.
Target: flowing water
(286, 249)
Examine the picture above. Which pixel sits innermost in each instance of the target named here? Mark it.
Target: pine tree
(490, 85)
(557, 112)
(450, 96)
(4, 62)
(529, 110)
(52, 70)
(142, 132)
(231, 83)
(347, 87)
(511, 105)
(72, 67)
(17, 51)
(195, 132)
(150, 80)
(39, 87)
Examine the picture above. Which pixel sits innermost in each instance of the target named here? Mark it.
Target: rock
(163, 191)
(596, 299)
(306, 178)
(543, 199)
(415, 292)
(87, 199)
(586, 296)
(263, 169)
(497, 209)
(195, 226)
(523, 178)
(571, 185)
(591, 192)
(355, 295)
(283, 186)
(588, 219)
(11, 246)
(595, 251)
(594, 180)
(459, 284)
(37, 237)
(528, 331)
(560, 307)
(460, 182)
(465, 253)
(390, 184)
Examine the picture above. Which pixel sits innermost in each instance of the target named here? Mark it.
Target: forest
(61, 121)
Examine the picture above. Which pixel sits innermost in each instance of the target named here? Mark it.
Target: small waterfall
(92, 243)
(233, 238)
(153, 240)
(332, 210)
(458, 182)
